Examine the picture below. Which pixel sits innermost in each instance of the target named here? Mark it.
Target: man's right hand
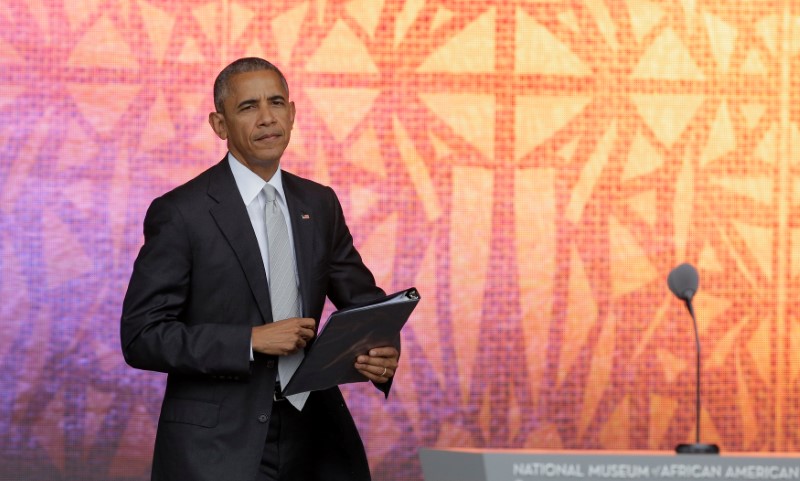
(284, 337)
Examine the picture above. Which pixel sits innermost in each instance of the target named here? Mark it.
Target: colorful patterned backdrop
(535, 168)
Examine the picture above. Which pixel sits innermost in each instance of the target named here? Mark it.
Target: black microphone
(683, 281)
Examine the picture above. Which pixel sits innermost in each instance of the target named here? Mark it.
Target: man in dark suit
(199, 308)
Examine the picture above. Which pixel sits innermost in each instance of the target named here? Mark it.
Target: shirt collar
(249, 183)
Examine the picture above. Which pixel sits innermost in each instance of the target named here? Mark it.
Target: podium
(567, 465)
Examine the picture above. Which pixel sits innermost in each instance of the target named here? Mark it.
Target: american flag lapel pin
(305, 217)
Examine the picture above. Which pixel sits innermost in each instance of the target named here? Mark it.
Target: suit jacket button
(262, 418)
(270, 364)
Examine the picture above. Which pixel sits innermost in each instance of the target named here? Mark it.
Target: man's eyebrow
(245, 103)
(248, 102)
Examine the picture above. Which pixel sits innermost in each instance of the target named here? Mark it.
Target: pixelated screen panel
(535, 168)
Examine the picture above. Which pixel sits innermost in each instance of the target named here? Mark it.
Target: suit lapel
(231, 217)
(303, 233)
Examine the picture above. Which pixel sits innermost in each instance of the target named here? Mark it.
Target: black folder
(348, 334)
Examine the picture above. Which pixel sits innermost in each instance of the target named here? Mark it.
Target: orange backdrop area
(535, 168)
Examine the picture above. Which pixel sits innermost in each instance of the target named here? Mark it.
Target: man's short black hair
(246, 64)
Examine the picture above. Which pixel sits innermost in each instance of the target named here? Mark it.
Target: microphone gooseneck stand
(683, 282)
(697, 447)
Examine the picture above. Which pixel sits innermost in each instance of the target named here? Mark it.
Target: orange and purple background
(535, 168)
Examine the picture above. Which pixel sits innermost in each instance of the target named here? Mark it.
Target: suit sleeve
(351, 282)
(155, 334)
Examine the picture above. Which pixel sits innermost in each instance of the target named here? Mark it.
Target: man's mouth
(267, 137)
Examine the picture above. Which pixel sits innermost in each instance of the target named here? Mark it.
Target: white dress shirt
(250, 186)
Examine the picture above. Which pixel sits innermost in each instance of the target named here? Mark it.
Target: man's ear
(217, 122)
(292, 113)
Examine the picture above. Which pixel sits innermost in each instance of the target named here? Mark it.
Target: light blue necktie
(283, 292)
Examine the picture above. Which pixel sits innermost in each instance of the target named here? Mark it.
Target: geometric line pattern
(534, 168)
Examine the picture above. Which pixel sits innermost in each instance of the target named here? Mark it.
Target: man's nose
(265, 115)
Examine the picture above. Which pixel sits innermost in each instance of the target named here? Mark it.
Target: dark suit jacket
(197, 288)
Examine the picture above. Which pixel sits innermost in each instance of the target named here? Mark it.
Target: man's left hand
(379, 365)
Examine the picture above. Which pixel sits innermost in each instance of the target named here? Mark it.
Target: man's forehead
(259, 83)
